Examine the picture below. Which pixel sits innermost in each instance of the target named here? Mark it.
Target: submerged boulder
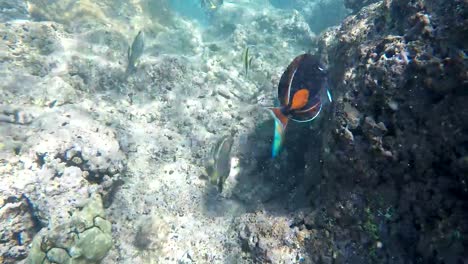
(398, 129)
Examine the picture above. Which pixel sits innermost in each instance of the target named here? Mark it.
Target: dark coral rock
(397, 135)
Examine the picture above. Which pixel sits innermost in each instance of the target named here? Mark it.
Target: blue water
(191, 9)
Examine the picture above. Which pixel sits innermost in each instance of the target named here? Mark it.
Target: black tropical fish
(302, 91)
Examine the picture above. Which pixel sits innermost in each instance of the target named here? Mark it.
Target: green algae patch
(94, 244)
(86, 238)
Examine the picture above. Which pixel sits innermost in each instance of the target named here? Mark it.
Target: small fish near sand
(302, 92)
(218, 162)
(135, 51)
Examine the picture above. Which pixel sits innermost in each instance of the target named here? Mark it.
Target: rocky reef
(396, 142)
(101, 166)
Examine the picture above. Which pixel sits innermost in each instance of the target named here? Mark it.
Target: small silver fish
(218, 163)
(135, 52)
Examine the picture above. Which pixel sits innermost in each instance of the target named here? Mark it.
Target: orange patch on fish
(300, 99)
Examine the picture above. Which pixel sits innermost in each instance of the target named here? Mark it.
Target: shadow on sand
(280, 185)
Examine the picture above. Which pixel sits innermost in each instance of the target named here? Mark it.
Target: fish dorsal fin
(300, 99)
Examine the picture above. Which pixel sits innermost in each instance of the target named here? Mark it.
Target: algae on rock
(86, 238)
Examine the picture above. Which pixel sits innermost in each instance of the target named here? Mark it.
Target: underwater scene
(233, 131)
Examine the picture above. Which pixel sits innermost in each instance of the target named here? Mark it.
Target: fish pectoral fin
(209, 165)
(214, 177)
